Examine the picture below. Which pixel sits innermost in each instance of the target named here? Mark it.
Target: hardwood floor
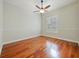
(41, 47)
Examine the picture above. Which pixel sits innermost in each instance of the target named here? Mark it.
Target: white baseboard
(61, 38)
(21, 39)
(37, 36)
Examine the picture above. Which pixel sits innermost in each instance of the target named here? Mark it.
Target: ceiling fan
(41, 8)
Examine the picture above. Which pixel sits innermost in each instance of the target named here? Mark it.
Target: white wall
(1, 19)
(20, 22)
(68, 22)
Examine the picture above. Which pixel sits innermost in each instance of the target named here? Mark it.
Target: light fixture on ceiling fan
(41, 8)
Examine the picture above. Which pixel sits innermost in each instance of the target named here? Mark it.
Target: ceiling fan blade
(37, 6)
(36, 11)
(46, 11)
(47, 7)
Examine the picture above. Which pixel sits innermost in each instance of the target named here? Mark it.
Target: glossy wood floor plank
(41, 47)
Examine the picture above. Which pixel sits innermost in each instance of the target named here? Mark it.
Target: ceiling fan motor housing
(41, 1)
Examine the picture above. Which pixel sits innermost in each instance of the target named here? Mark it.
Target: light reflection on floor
(52, 50)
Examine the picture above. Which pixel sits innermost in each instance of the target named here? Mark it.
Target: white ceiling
(54, 3)
(61, 3)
